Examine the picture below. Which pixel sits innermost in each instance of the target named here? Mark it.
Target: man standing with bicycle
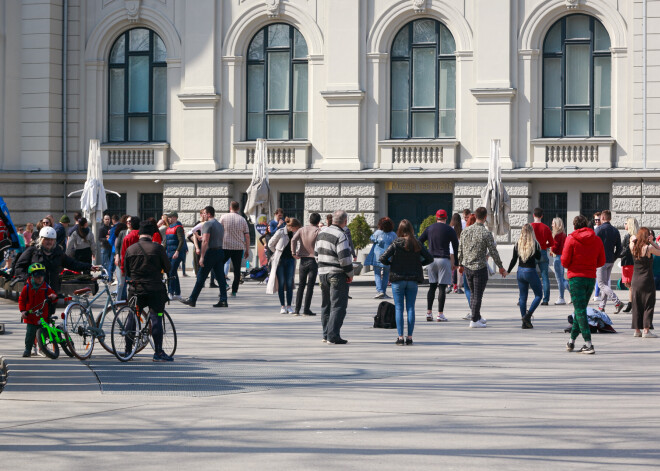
(144, 264)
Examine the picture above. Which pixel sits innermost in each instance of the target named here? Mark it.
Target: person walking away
(62, 228)
(382, 239)
(236, 242)
(457, 281)
(131, 237)
(474, 246)
(612, 242)
(559, 238)
(76, 217)
(544, 238)
(81, 242)
(471, 219)
(333, 254)
(302, 247)
(594, 224)
(174, 241)
(583, 253)
(627, 260)
(211, 258)
(34, 296)
(105, 250)
(283, 265)
(112, 235)
(440, 237)
(145, 263)
(405, 257)
(527, 253)
(120, 233)
(642, 287)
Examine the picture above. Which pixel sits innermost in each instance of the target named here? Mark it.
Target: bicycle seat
(81, 291)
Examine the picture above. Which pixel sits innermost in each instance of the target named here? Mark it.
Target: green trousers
(581, 289)
(30, 335)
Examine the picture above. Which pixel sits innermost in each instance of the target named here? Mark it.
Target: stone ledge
(214, 189)
(322, 189)
(359, 189)
(628, 204)
(626, 189)
(179, 189)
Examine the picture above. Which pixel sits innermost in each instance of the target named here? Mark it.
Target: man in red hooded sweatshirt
(583, 253)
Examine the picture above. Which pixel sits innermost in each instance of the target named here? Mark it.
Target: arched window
(423, 81)
(577, 77)
(137, 109)
(277, 84)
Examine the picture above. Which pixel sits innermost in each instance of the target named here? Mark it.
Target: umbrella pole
(95, 238)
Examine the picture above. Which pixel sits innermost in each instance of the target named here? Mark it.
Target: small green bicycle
(51, 337)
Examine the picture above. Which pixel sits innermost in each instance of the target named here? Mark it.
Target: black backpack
(385, 318)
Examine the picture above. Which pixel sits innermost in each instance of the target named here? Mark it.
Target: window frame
(264, 62)
(438, 57)
(125, 66)
(157, 208)
(597, 195)
(550, 212)
(297, 197)
(562, 57)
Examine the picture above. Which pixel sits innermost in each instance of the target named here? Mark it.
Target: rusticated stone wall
(189, 198)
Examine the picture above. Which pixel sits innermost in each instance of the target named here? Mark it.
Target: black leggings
(442, 295)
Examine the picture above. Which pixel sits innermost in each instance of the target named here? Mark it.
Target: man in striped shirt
(333, 254)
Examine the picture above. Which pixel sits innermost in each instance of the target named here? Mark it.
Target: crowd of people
(454, 254)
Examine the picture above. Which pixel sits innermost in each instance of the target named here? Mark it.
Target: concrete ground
(254, 389)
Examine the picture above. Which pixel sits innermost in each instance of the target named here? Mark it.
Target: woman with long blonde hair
(527, 253)
(559, 237)
(627, 261)
(642, 286)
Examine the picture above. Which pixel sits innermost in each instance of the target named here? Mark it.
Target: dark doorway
(416, 207)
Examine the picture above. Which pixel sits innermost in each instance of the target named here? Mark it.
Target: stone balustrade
(281, 154)
(421, 153)
(568, 152)
(135, 156)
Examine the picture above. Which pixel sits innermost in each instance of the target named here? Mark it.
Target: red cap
(441, 214)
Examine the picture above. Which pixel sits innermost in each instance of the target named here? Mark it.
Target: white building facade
(379, 107)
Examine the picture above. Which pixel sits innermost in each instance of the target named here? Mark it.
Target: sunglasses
(46, 222)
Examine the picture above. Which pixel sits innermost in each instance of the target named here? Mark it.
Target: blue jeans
(559, 274)
(106, 259)
(212, 263)
(381, 283)
(285, 271)
(528, 278)
(173, 286)
(466, 288)
(543, 266)
(404, 290)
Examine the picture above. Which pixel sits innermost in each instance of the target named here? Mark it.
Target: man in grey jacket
(612, 243)
(333, 253)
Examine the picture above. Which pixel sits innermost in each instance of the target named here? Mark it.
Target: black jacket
(611, 241)
(406, 265)
(144, 263)
(626, 254)
(53, 262)
(530, 262)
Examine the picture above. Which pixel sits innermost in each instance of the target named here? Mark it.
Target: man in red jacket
(583, 253)
(544, 237)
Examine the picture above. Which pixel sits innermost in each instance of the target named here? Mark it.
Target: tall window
(116, 204)
(423, 81)
(138, 88)
(591, 203)
(277, 84)
(151, 205)
(293, 205)
(577, 77)
(555, 205)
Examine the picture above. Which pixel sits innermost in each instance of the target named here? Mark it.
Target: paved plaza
(253, 389)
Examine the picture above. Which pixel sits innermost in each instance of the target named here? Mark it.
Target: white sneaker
(37, 352)
(429, 317)
(283, 311)
(596, 298)
(441, 318)
(379, 296)
(467, 316)
(477, 325)
(560, 302)
(289, 310)
(176, 297)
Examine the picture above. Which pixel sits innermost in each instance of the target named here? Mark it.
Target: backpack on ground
(385, 317)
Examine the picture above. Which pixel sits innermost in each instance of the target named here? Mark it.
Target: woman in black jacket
(405, 256)
(527, 253)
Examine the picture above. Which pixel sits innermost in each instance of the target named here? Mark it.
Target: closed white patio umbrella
(258, 193)
(495, 198)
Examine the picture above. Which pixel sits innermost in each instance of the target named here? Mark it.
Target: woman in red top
(583, 253)
(559, 237)
(34, 293)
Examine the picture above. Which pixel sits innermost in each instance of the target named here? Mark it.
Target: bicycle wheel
(103, 339)
(169, 335)
(66, 349)
(124, 333)
(48, 347)
(77, 324)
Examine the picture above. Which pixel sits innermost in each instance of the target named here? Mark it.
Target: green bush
(360, 232)
(426, 223)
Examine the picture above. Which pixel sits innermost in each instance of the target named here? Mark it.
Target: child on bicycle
(34, 298)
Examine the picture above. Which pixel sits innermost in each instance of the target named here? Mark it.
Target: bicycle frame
(55, 334)
(97, 330)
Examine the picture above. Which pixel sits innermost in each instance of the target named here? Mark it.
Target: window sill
(401, 154)
(281, 154)
(582, 152)
(135, 156)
